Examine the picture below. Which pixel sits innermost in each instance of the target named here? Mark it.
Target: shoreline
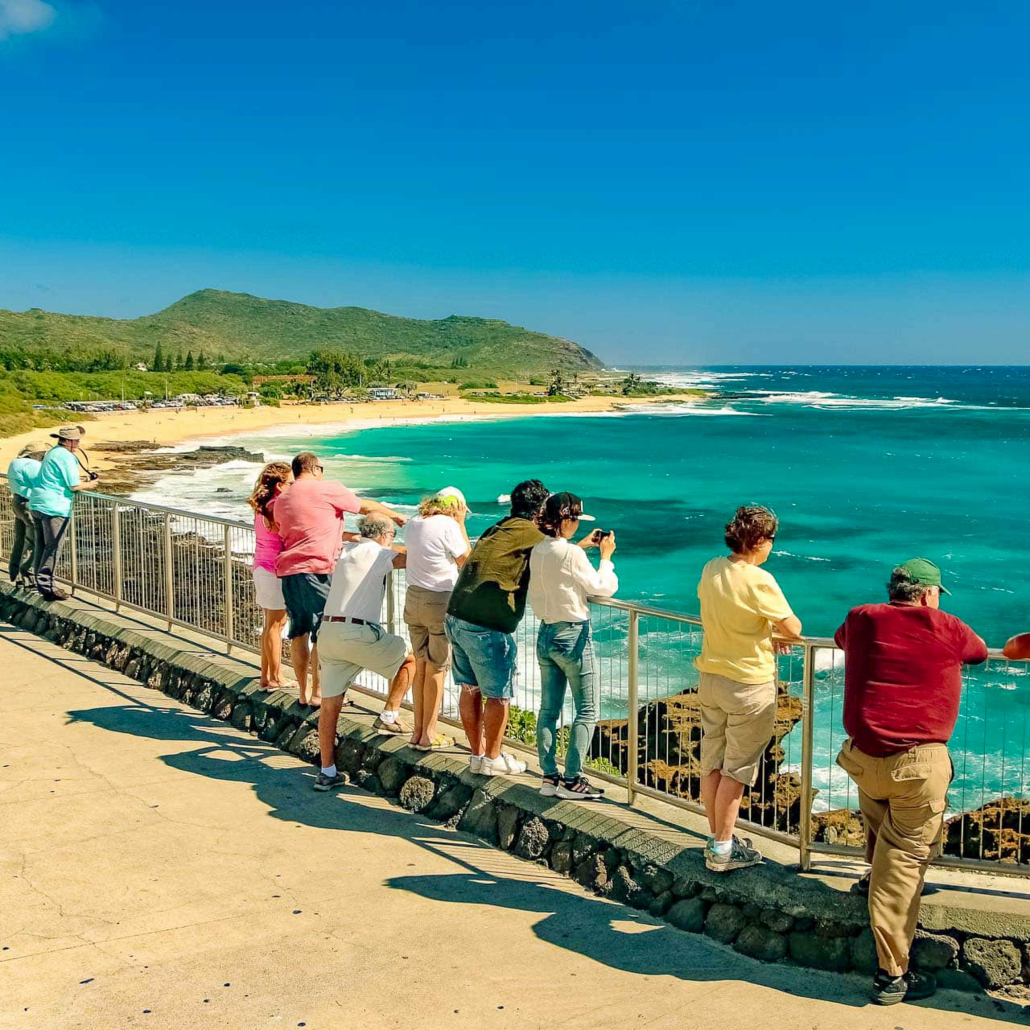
(167, 428)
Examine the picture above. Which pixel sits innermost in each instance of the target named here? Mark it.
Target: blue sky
(692, 181)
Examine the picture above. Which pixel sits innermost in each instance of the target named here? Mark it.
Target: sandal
(438, 743)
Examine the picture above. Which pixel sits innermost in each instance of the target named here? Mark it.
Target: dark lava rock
(724, 922)
(688, 914)
(993, 963)
(417, 793)
(830, 953)
(533, 839)
(932, 951)
(761, 943)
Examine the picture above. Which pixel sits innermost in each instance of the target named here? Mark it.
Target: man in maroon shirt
(903, 679)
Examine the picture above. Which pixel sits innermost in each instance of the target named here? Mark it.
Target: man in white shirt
(352, 638)
(561, 578)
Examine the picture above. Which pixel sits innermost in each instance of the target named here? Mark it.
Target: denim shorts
(482, 658)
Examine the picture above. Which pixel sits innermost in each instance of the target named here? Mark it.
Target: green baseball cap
(922, 570)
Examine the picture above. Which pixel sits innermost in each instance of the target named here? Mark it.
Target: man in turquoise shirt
(51, 505)
(21, 478)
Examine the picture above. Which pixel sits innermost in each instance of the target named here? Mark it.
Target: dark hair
(750, 526)
(903, 586)
(306, 461)
(557, 508)
(527, 497)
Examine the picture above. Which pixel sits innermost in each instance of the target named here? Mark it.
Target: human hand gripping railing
(193, 571)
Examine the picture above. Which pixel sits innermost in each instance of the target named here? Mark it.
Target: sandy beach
(167, 427)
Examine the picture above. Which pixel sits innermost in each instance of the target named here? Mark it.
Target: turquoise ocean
(865, 466)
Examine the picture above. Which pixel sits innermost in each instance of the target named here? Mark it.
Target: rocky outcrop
(141, 461)
(669, 756)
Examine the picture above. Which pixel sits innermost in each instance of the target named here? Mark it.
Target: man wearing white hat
(438, 545)
(50, 502)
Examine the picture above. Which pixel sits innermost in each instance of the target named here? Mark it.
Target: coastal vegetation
(230, 345)
(218, 327)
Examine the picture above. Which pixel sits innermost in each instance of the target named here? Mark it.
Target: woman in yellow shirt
(741, 606)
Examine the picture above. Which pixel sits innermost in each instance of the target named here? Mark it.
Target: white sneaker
(502, 765)
(476, 763)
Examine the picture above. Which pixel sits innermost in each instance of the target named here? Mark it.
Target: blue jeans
(565, 652)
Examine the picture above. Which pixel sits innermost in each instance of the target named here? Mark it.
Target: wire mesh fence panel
(7, 519)
(143, 559)
(834, 796)
(92, 535)
(609, 748)
(247, 615)
(988, 814)
(668, 716)
(199, 574)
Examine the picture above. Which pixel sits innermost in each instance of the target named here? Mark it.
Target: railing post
(74, 547)
(116, 544)
(228, 590)
(391, 600)
(169, 572)
(807, 741)
(633, 730)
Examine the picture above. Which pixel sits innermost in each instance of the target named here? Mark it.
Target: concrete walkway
(160, 869)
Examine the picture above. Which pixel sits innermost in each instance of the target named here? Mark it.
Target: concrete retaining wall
(769, 913)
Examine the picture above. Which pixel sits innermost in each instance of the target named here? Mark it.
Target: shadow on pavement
(603, 931)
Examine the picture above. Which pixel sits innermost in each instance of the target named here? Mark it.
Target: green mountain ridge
(243, 328)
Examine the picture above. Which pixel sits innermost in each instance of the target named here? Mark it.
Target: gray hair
(373, 526)
(902, 587)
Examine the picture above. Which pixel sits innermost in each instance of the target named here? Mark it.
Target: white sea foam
(699, 410)
(803, 557)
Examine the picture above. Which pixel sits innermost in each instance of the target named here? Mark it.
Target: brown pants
(902, 799)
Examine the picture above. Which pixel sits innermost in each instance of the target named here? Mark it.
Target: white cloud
(18, 17)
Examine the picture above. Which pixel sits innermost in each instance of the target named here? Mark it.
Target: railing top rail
(127, 502)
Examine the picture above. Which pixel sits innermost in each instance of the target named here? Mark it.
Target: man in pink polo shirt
(309, 518)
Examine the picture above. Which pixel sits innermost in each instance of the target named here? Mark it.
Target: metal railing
(194, 571)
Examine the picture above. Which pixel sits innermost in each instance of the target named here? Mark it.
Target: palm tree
(630, 383)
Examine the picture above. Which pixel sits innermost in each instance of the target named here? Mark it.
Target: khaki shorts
(344, 649)
(424, 613)
(737, 720)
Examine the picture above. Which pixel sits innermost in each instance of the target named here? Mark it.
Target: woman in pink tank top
(268, 592)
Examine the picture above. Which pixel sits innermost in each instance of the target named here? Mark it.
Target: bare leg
(327, 719)
(709, 791)
(400, 683)
(316, 677)
(274, 626)
(417, 701)
(300, 656)
(495, 720)
(470, 707)
(727, 805)
(270, 645)
(432, 696)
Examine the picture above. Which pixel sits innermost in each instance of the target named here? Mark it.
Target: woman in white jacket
(561, 578)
